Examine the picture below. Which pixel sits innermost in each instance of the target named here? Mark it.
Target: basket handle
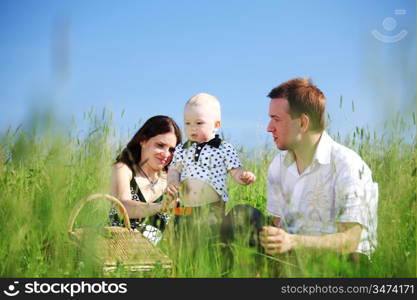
(75, 211)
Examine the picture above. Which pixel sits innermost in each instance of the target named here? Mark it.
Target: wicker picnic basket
(118, 246)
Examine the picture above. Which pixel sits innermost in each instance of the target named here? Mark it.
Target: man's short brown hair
(303, 97)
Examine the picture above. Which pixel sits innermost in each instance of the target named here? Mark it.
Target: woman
(139, 176)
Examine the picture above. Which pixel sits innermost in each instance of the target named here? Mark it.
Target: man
(320, 192)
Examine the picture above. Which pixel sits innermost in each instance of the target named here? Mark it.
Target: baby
(202, 163)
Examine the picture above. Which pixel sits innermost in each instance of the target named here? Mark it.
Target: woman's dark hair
(154, 126)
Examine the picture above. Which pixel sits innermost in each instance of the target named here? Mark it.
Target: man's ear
(217, 124)
(305, 123)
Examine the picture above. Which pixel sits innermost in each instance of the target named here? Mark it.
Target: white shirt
(336, 187)
(209, 163)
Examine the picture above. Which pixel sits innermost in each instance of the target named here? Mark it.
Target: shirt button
(199, 148)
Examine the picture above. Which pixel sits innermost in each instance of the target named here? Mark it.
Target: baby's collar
(214, 142)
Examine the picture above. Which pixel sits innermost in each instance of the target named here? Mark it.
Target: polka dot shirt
(209, 162)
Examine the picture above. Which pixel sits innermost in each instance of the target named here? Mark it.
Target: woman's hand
(171, 200)
(172, 190)
(169, 203)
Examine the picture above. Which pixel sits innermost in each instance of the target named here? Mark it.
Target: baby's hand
(247, 177)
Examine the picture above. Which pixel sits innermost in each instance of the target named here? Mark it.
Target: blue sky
(149, 57)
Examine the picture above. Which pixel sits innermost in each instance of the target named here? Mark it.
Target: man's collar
(323, 150)
(214, 142)
(288, 158)
(322, 154)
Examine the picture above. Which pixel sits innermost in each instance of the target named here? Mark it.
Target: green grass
(45, 171)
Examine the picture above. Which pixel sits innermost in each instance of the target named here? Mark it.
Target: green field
(44, 171)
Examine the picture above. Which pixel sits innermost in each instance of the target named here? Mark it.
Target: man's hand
(275, 240)
(247, 177)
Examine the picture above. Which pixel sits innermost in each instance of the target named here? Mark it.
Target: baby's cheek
(206, 134)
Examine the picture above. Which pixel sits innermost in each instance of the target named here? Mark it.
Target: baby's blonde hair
(206, 99)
